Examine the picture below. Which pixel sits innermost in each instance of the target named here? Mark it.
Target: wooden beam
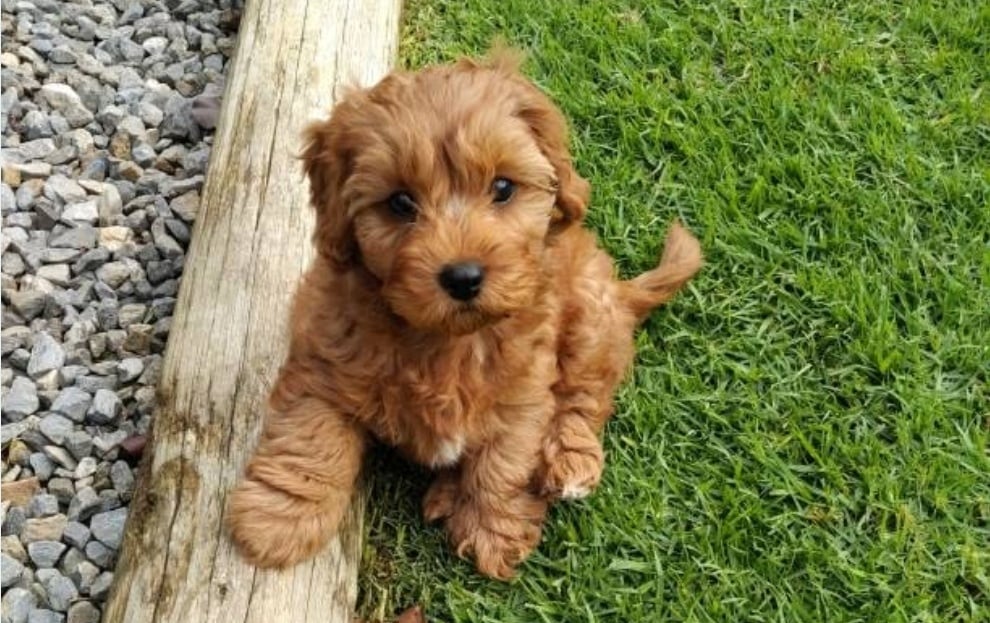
(250, 244)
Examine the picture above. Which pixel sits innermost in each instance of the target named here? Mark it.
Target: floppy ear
(327, 162)
(549, 127)
(550, 130)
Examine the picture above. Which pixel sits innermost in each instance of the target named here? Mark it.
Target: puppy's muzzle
(463, 280)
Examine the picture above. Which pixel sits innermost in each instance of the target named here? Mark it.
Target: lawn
(805, 434)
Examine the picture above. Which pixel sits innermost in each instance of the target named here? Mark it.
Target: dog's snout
(462, 281)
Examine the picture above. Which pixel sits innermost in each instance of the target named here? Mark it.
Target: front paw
(574, 461)
(275, 529)
(497, 541)
(441, 498)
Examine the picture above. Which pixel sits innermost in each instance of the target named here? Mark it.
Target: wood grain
(250, 244)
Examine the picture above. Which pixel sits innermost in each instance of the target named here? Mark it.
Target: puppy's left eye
(403, 205)
(503, 189)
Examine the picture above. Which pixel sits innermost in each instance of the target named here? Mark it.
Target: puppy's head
(446, 185)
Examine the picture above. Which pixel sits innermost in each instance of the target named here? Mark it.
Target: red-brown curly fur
(505, 395)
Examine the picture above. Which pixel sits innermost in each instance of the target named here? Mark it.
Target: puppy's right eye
(403, 205)
(503, 189)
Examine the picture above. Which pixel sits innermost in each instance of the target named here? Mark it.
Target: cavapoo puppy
(457, 310)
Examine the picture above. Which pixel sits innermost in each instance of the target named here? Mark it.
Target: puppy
(457, 311)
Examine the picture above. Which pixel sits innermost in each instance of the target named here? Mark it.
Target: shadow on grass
(394, 529)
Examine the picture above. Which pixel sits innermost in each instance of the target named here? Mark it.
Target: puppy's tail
(680, 261)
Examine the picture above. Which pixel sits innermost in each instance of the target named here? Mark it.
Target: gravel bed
(108, 110)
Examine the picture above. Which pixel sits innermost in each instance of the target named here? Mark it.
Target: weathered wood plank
(249, 247)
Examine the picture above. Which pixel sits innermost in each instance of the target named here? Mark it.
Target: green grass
(804, 437)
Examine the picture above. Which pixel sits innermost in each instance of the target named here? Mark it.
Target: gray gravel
(10, 570)
(83, 612)
(17, 604)
(108, 109)
(43, 615)
(45, 554)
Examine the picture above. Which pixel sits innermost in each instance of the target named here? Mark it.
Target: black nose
(463, 280)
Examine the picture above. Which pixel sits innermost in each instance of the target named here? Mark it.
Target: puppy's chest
(433, 408)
